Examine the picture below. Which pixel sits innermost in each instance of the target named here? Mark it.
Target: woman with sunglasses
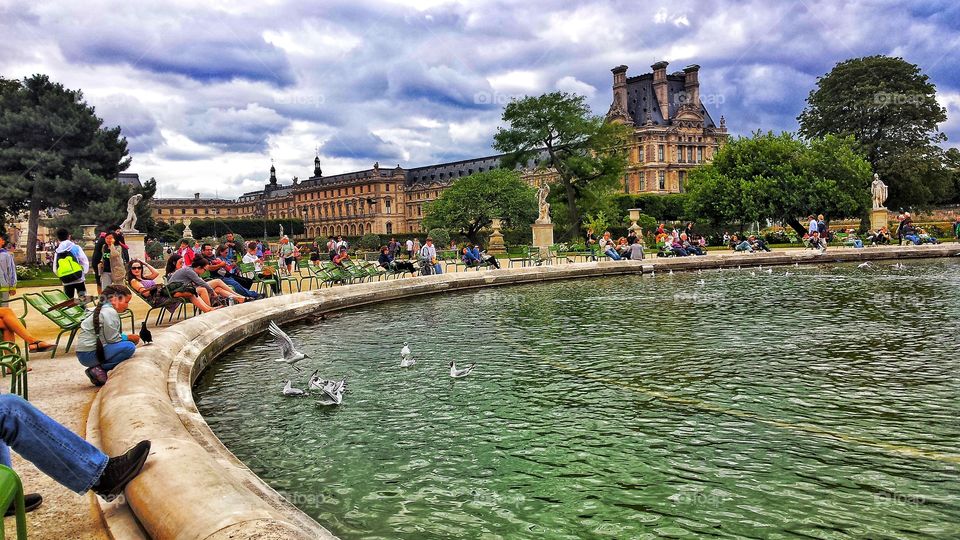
(143, 278)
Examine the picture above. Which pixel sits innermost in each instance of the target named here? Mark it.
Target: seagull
(671, 271)
(407, 361)
(898, 266)
(332, 392)
(315, 383)
(290, 354)
(145, 336)
(788, 274)
(752, 273)
(457, 373)
(289, 390)
(864, 265)
(769, 270)
(405, 351)
(701, 282)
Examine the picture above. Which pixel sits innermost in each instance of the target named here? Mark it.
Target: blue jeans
(241, 290)
(913, 238)
(612, 253)
(52, 448)
(115, 353)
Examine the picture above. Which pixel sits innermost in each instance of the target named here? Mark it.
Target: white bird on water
(457, 373)
(289, 390)
(898, 266)
(290, 354)
(406, 357)
(332, 392)
(769, 270)
(864, 265)
(701, 282)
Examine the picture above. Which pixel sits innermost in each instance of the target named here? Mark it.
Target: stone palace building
(672, 133)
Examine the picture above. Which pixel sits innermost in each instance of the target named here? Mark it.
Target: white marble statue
(879, 191)
(542, 194)
(130, 224)
(187, 233)
(281, 230)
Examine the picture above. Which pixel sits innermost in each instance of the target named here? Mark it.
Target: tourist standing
(428, 258)
(8, 272)
(416, 246)
(112, 263)
(956, 228)
(409, 249)
(71, 265)
(286, 254)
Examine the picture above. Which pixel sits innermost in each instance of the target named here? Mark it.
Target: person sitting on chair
(10, 327)
(62, 455)
(881, 237)
(143, 278)
(341, 257)
(485, 258)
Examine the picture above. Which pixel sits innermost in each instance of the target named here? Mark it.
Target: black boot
(121, 470)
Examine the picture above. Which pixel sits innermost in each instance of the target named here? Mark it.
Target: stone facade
(673, 133)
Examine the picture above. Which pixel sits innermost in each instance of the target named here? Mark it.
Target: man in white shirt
(409, 248)
(428, 258)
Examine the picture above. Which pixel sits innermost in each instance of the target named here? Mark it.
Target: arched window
(386, 204)
(369, 227)
(338, 231)
(389, 228)
(353, 230)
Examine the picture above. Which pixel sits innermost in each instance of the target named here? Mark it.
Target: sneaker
(97, 375)
(121, 470)
(31, 501)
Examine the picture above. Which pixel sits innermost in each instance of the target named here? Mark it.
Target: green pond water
(820, 404)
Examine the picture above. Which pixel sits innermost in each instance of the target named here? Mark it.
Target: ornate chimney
(691, 85)
(618, 109)
(660, 88)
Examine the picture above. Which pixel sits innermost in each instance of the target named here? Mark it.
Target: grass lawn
(48, 279)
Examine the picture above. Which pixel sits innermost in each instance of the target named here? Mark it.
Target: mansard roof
(641, 99)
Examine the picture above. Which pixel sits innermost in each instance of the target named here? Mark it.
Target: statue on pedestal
(281, 230)
(542, 194)
(129, 224)
(879, 191)
(187, 233)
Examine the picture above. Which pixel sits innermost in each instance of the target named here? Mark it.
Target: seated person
(257, 261)
(854, 241)
(387, 260)
(880, 237)
(636, 252)
(209, 291)
(690, 247)
(341, 257)
(10, 327)
(740, 245)
(623, 247)
(143, 278)
(62, 455)
(910, 232)
(608, 248)
(468, 258)
(926, 238)
(816, 242)
(757, 244)
(101, 344)
(677, 248)
(484, 258)
(218, 265)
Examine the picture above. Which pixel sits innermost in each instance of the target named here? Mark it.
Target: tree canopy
(889, 107)
(557, 131)
(471, 203)
(54, 151)
(781, 178)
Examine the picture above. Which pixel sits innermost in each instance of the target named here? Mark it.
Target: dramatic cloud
(208, 93)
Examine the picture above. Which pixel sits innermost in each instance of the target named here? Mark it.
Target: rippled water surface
(820, 404)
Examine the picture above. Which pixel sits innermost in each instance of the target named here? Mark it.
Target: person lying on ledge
(62, 455)
(758, 244)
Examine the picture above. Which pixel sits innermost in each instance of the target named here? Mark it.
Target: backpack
(67, 268)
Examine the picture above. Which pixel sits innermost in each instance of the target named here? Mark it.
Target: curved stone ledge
(193, 487)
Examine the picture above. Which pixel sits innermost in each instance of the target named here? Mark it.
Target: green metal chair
(57, 296)
(280, 274)
(66, 323)
(11, 491)
(180, 312)
(14, 364)
(265, 285)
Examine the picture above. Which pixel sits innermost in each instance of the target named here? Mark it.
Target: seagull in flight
(289, 390)
(290, 354)
(457, 373)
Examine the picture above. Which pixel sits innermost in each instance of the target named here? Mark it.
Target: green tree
(559, 130)
(781, 178)
(471, 203)
(54, 151)
(889, 106)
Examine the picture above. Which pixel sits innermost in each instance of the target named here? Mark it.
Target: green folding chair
(78, 312)
(11, 491)
(265, 285)
(14, 364)
(66, 323)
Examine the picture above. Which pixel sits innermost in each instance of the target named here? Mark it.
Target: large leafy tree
(54, 151)
(889, 106)
(781, 178)
(471, 203)
(559, 131)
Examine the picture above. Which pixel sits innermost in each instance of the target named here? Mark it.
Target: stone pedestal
(495, 245)
(634, 217)
(89, 236)
(878, 218)
(135, 245)
(543, 237)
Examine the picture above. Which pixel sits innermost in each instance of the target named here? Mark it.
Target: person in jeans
(62, 455)
(608, 248)
(484, 258)
(428, 258)
(208, 291)
(66, 248)
(105, 324)
(8, 272)
(220, 265)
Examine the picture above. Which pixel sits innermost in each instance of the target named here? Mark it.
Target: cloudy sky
(207, 93)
